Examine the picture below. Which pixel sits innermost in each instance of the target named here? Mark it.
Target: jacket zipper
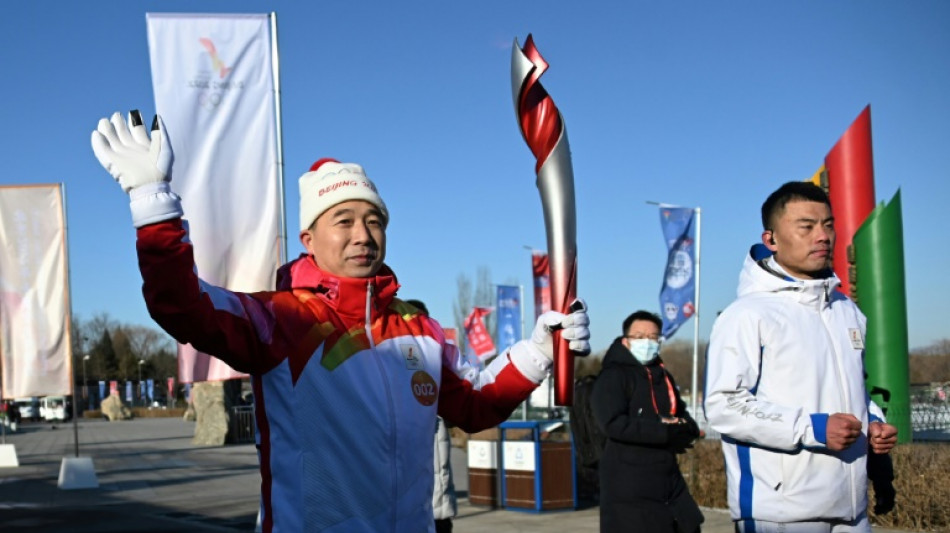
(842, 383)
(368, 328)
(369, 314)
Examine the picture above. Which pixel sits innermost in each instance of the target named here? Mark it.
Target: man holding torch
(348, 379)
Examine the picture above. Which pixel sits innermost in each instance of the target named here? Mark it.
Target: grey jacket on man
(443, 493)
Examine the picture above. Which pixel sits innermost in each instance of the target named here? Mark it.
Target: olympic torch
(542, 127)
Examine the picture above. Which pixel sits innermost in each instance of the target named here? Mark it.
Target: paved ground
(151, 479)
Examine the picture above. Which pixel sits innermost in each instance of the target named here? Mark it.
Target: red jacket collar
(345, 295)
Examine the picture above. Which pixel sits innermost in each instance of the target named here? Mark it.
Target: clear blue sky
(709, 104)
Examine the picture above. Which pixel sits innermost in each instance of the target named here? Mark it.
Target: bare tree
(678, 359)
(147, 342)
(114, 349)
(930, 364)
(462, 307)
(99, 323)
(154, 347)
(941, 347)
(588, 366)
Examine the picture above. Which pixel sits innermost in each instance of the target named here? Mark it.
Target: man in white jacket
(785, 380)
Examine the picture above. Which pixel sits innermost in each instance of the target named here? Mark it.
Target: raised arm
(227, 325)
(476, 400)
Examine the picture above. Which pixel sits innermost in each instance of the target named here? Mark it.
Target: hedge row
(922, 482)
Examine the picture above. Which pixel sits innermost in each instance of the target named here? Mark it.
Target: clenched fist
(841, 432)
(882, 437)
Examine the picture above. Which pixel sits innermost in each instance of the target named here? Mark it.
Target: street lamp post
(85, 384)
(141, 362)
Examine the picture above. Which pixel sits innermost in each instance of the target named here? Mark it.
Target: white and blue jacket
(782, 358)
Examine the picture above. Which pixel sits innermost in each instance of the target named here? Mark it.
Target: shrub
(142, 412)
(921, 471)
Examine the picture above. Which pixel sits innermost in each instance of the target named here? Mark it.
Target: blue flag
(150, 389)
(677, 295)
(128, 392)
(509, 316)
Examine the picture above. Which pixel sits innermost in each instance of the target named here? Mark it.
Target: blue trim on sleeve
(874, 418)
(819, 425)
(745, 482)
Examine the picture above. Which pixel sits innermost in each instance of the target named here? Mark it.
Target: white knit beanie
(330, 182)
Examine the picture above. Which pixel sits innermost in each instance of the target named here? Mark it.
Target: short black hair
(642, 315)
(791, 191)
(419, 305)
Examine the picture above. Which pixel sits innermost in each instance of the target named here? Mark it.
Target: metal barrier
(241, 425)
(929, 412)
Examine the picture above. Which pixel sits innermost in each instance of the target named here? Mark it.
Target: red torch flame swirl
(544, 131)
(539, 118)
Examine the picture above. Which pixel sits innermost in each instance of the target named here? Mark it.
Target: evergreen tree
(106, 356)
(127, 360)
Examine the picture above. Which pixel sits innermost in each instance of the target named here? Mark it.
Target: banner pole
(527, 401)
(693, 390)
(69, 318)
(275, 65)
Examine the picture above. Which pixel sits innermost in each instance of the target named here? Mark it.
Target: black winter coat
(641, 487)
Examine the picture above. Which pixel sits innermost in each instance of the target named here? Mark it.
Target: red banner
(113, 388)
(479, 341)
(451, 335)
(541, 270)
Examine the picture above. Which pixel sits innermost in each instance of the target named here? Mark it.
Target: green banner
(879, 275)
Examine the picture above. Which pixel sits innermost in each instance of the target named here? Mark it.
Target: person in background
(13, 412)
(348, 379)
(637, 404)
(785, 380)
(444, 502)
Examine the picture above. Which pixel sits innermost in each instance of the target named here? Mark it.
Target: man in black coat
(636, 403)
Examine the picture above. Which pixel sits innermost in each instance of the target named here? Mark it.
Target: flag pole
(69, 319)
(527, 401)
(695, 378)
(275, 65)
(693, 389)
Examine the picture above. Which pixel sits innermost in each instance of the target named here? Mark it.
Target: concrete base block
(77, 473)
(8, 456)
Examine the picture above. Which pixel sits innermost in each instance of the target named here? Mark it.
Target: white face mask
(644, 350)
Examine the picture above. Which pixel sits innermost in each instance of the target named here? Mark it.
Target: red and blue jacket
(347, 380)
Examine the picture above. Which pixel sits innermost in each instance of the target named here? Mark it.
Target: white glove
(140, 164)
(573, 330)
(127, 153)
(533, 357)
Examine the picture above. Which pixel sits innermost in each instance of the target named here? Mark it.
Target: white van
(29, 408)
(55, 408)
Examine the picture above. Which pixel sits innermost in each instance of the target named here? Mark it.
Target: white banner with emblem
(214, 87)
(34, 292)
